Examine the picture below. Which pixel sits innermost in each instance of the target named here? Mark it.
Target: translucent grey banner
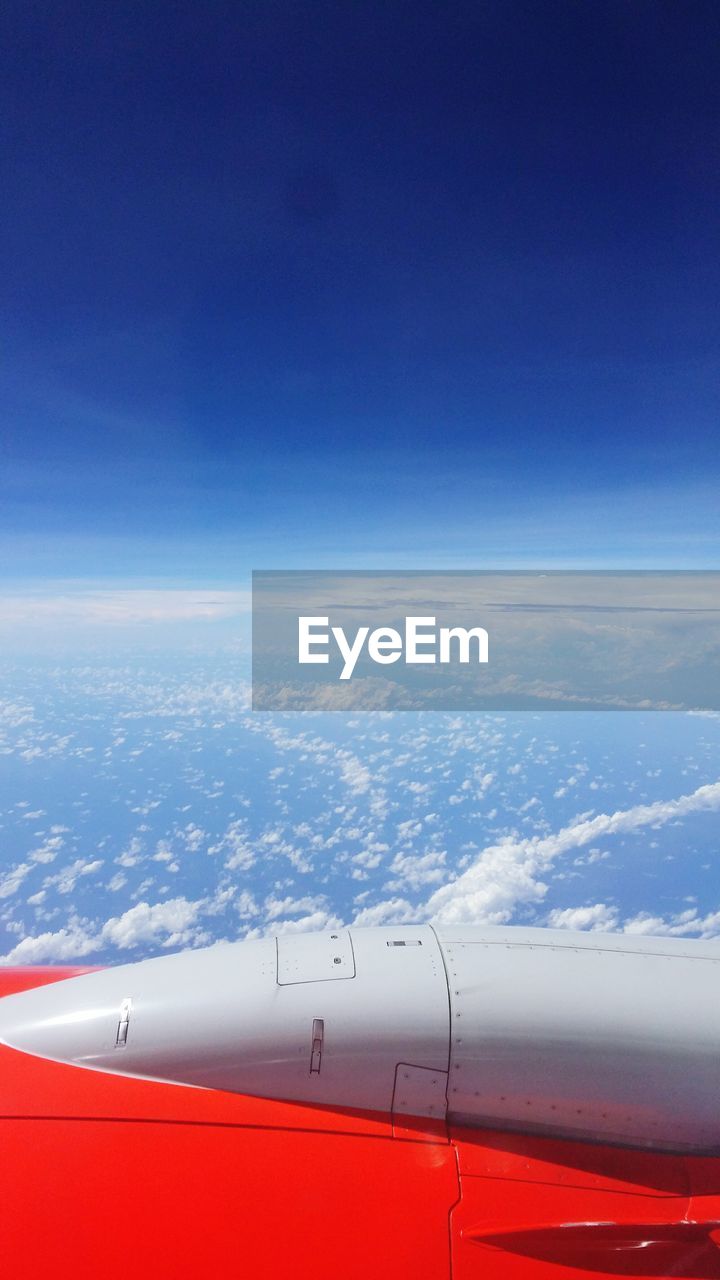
(337, 640)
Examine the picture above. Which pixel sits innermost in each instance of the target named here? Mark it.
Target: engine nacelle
(607, 1038)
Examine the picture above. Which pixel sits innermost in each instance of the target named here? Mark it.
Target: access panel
(315, 957)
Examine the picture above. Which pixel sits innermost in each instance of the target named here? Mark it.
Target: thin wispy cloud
(110, 606)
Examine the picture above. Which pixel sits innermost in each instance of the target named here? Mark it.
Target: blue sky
(399, 285)
(357, 284)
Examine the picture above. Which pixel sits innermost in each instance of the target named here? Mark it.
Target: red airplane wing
(109, 1175)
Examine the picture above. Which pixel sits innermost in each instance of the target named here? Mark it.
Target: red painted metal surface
(12, 980)
(105, 1177)
(539, 1208)
(102, 1176)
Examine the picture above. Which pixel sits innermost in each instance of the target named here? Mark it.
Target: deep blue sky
(358, 283)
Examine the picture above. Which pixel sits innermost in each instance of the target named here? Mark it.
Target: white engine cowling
(607, 1038)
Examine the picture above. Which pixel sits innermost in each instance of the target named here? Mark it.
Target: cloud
(394, 911)
(234, 845)
(48, 850)
(143, 923)
(509, 873)
(71, 943)
(360, 806)
(113, 606)
(66, 879)
(172, 924)
(682, 924)
(354, 774)
(598, 916)
(276, 907)
(687, 923)
(414, 869)
(12, 880)
(312, 923)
